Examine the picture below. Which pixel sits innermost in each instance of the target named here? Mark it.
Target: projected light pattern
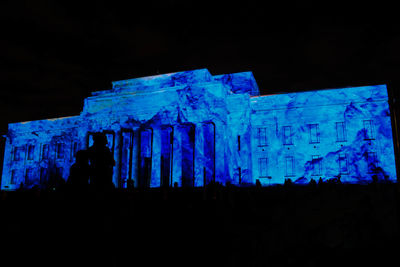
(324, 134)
(192, 128)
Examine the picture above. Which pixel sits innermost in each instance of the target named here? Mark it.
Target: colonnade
(156, 156)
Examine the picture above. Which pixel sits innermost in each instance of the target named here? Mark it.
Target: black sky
(54, 53)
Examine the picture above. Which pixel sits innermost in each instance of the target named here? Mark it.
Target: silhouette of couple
(94, 165)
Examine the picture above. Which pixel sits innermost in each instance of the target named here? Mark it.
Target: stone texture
(206, 118)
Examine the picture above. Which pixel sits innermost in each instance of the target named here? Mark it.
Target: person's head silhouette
(99, 139)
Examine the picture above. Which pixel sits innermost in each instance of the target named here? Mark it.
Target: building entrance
(145, 157)
(187, 144)
(209, 152)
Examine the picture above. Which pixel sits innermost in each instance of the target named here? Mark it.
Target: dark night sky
(53, 54)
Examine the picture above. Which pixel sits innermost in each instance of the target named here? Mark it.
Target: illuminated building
(191, 128)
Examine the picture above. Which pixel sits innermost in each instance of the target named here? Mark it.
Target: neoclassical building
(192, 127)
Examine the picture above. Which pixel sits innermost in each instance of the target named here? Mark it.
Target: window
(316, 165)
(17, 154)
(287, 135)
(343, 164)
(263, 167)
(146, 142)
(13, 179)
(45, 151)
(74, 149)
(289, 166)
(28, 175)
(31, 150)
(240, 174)
(59, 171)
(262, 136)
(368, 130)
(340, 132)
(60, 150)
(43, 175)
(314, 133)
(238, 142)
(371, 161)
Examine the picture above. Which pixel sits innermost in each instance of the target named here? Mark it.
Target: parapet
(238, 83)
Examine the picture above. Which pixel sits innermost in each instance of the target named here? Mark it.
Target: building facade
(192, 128)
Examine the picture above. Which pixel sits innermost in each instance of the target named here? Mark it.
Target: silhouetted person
(129, 184)
(79, 173)
(288, 182)
(21, 186)
(101, 163)
(55, 180)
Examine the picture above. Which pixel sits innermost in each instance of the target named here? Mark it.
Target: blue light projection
(192, 128)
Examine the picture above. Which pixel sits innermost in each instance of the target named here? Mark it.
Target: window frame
(287, 140)
(264, 142)
(30, 156)
(74, 149)
(260, 170)
(342, 156)
(368, 131)
(28, 174)
(43, 175)
(58, 150)
(316, 161)
(44, 156)
(16, 153)
(292, 173)
(344, 137)
(375, 161)
(13, 177)
(317, 135)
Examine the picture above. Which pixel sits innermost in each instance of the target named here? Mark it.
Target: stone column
(156, 158)
(177, 157)
(135, 157)
(126, 155)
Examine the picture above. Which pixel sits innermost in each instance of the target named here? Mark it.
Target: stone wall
(192, 128)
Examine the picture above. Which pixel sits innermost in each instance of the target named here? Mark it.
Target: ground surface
(329, 225)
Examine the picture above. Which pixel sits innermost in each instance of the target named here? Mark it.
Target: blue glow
(192, 128)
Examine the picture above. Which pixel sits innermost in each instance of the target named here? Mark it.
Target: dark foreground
(332, 225)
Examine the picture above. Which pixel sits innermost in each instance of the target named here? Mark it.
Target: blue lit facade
(191, 128)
